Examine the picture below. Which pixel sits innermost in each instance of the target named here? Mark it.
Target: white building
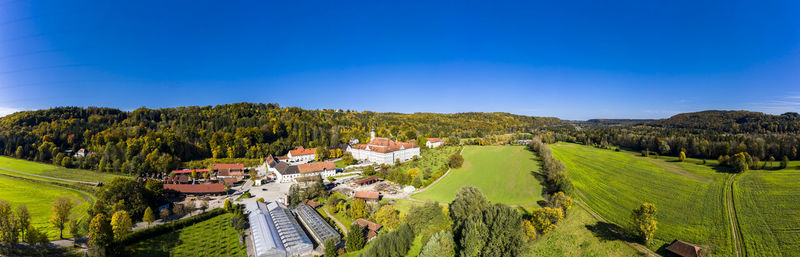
(301, 155)
(433, 142)
(285, 173)
(382, 150)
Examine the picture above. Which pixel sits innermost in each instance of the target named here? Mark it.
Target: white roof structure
(276, 232)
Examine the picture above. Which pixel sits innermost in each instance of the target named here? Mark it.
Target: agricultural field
(768, 208)
(213, 237)
(38, 197)
(42, 169)
(505, 174)
(689, 196)
(579, 234)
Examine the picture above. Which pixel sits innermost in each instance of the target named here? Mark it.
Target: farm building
(197, 189)
(367, 196)
(382, 150)
(684, 249)
(301, 154)
(434, 142)
(275, 232)
(367, 181)
(233, 171)
(370, 228)
(319, 229)
(285, 173)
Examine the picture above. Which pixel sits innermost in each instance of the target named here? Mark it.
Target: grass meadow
(579, 234)
(38, 197)
(768, 208)
(689, 196)
(213, 237)
(505, 174)
(51, 171)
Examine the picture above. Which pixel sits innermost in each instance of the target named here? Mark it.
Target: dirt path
(638, 247)
(730, 208)
(47, 177)
(344, 229)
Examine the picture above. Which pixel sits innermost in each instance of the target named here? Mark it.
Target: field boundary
(730, 208)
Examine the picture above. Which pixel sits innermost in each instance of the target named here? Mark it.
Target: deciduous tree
(644, 221)
(61, 209)
(121, 224)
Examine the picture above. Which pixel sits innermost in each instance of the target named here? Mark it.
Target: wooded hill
(157, 140)
(733, 122)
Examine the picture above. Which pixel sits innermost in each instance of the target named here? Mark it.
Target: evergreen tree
(355, 238)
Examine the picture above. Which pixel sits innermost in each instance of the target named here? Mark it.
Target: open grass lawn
(505, 174)
(579, 235)
(213, 237)
(768, 208)
(38, 197)
(689, 196)
(53, 170)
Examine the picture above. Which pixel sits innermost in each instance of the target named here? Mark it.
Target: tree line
(158, 140)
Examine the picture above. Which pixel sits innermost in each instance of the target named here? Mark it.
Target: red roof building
(196, 188)
(369, 180)
(371, 228)
(300, 151)
(367, 195)
(316, 166)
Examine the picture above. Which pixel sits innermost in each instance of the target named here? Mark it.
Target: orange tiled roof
(385, 145)
(434, 140)
(367, 195)
(302, 151)
(372, 226)
(316, 166)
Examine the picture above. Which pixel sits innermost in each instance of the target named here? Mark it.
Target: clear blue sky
(569, 59)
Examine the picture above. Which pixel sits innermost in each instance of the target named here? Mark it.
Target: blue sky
(569, 59)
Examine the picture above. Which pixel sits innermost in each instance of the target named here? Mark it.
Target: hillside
(152, 140)
(733, 122)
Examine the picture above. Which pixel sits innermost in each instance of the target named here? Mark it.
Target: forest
(707, 134)
(159, 140)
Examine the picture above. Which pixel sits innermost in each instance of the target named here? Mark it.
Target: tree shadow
(610, 232)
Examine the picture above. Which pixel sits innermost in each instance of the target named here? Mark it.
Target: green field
(213, 237)
(768, 208)
(579, 234)
(52, 171)
(689, 196)
(505, 174)
(38, 197)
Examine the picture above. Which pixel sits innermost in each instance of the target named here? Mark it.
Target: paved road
(48, 177)
(730, 208)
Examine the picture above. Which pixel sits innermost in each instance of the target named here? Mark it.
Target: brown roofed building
(195, 188)
(229, 171)
(371, 228)
(684, 249)
(311, 203)
(367, 195)
(285, 173)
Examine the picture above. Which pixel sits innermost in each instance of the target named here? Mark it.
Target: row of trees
(147, 140)
(555, 174)
(15, 226)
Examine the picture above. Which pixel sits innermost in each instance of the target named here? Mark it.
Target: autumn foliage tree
(644, 221)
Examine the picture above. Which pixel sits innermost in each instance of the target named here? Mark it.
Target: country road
(730, 208)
